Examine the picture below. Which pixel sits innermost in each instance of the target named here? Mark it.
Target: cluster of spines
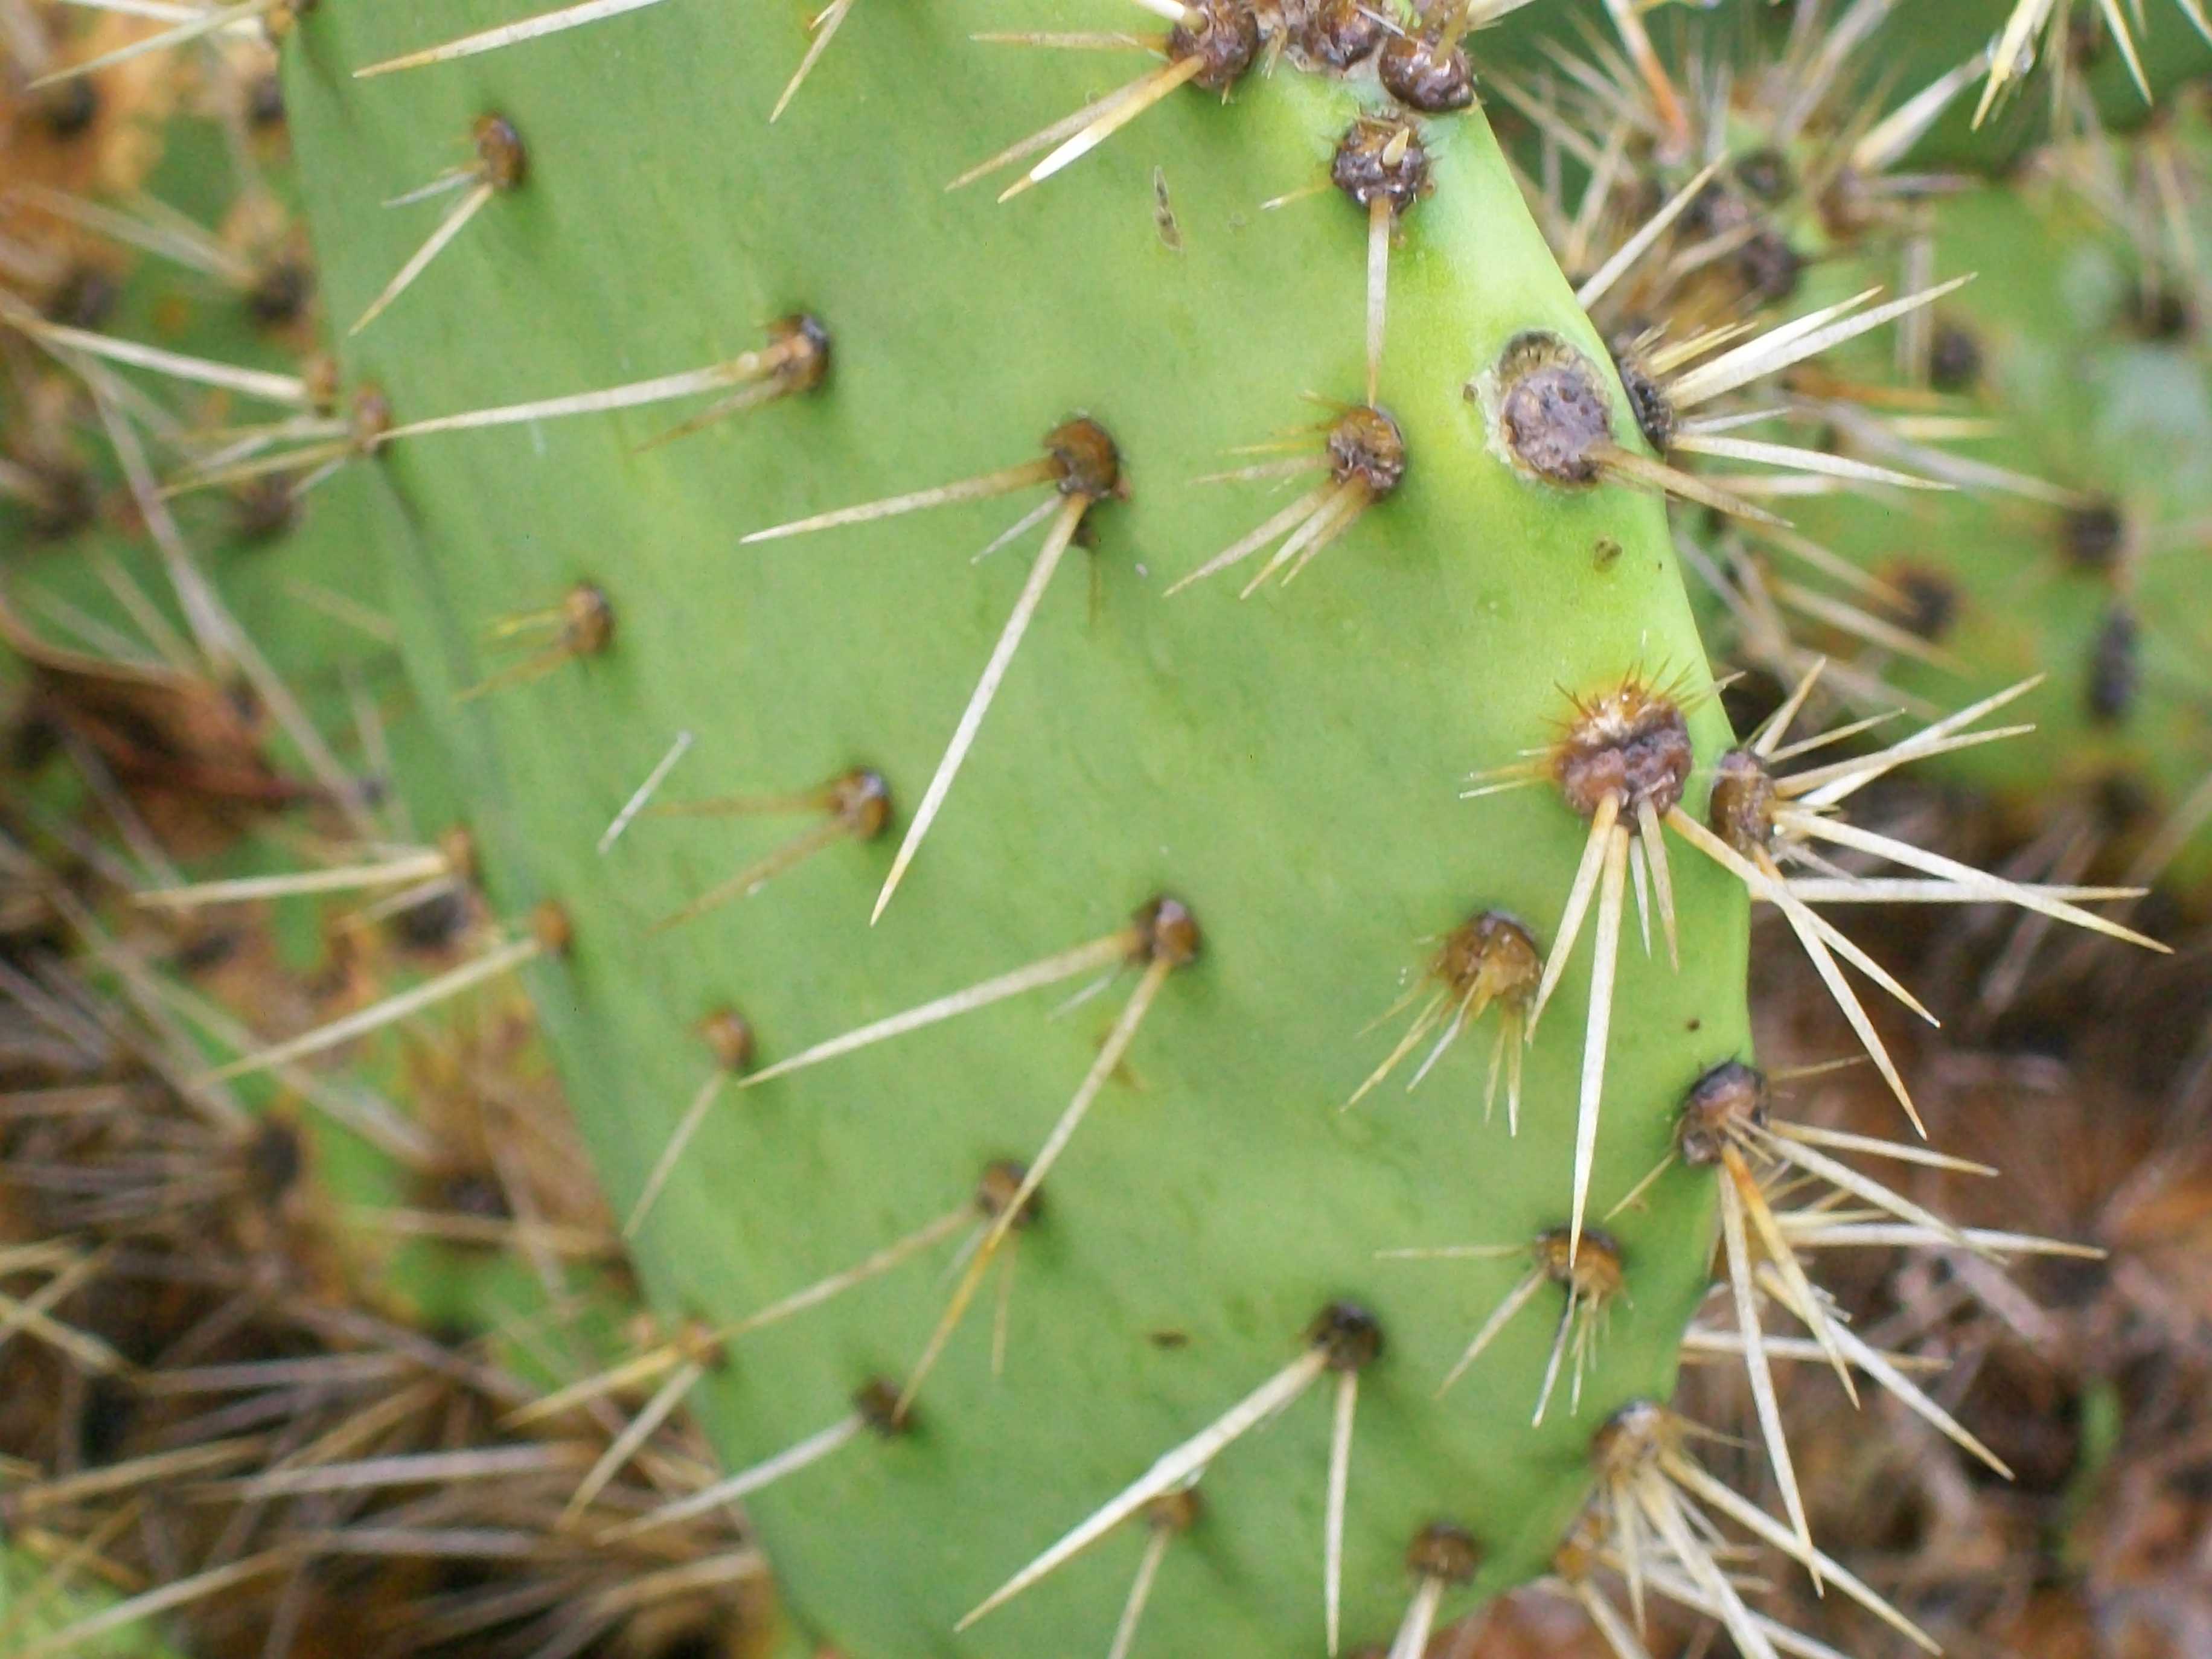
(1560, 431)
(218, 1415)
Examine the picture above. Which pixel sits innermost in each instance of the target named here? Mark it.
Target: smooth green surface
(1289, 766)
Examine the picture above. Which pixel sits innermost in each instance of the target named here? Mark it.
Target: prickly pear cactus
(2049, 409)
(1009, 737)
(2060, 398)
(1286, 769)
(2080, 345)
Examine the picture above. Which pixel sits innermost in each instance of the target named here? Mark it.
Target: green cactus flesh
(1288, 767)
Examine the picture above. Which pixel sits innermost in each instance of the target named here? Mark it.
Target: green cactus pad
(1288, 767)
(2087, 392)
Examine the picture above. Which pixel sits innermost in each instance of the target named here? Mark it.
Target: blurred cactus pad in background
(962, 828)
